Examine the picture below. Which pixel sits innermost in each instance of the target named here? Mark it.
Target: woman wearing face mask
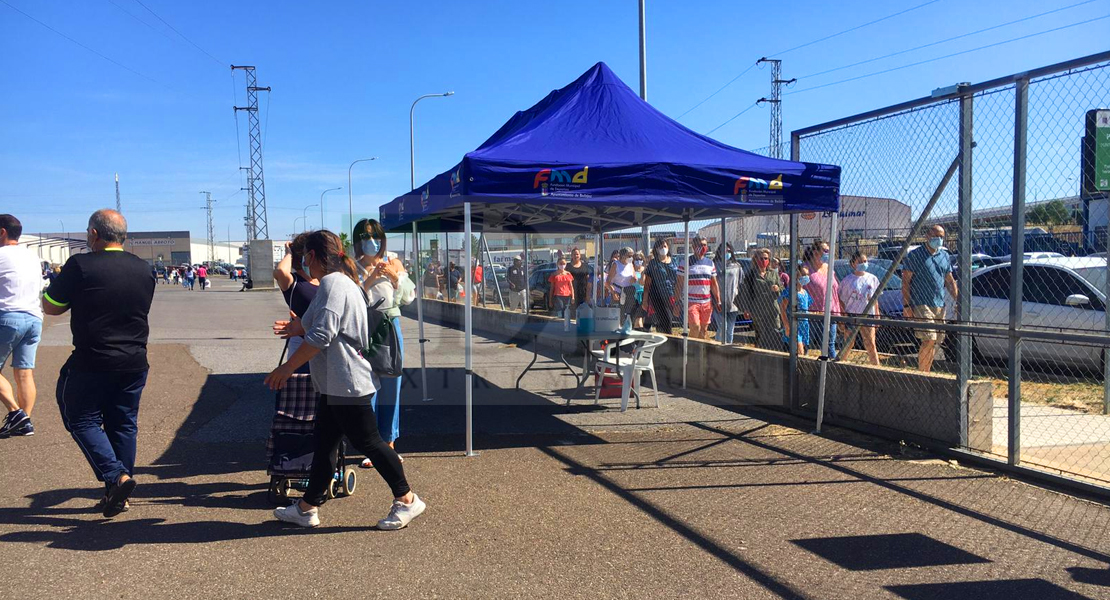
(856, 291)
(817, 259)
(759, 294)
(621, 278)
(638, 282)
(382, 276)
(728, 280)
(804, 302)
(660, 283)
(336, 329)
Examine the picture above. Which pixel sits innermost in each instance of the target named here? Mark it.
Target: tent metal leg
(827, 338)
(686, 302)
(420, 315)
(469, 325)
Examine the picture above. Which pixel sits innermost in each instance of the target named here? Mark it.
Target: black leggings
(353, 417)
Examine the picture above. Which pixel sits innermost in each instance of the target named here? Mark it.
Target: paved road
(692, 498)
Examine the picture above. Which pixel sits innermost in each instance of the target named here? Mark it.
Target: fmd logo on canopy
(552, 181)
(456, 182)
(756, 184)
(424, 200)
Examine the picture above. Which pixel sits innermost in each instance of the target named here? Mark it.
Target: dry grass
(1084, 396)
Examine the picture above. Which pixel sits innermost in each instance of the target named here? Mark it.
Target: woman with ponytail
(336, 329)
(382, 276)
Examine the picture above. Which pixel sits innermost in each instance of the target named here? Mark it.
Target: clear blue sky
(344, 74)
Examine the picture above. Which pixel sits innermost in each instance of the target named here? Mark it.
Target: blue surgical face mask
(825, 258)
(304, 266)
(936, 243)
(371, 246)
(803, 280)
(728, 256)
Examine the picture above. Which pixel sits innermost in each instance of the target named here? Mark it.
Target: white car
(1058, 294)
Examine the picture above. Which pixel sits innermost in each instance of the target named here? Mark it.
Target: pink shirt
(816, 289)
(202, 272)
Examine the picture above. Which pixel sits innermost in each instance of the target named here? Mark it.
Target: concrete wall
(898, 402)
(262, 264)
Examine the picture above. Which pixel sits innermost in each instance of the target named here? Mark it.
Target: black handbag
(384, 352)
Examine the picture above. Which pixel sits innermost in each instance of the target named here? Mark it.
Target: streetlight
(322, 203)
(416, 246)
(350, 193)
(304, 215)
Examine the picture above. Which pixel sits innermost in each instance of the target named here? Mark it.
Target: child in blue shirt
(804, 300)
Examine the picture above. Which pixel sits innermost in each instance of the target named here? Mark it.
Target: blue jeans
(19, 339)
(101, 410)
(817, 325)
(388, 410)
(726, 326)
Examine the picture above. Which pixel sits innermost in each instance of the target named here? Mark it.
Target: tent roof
(593, 154)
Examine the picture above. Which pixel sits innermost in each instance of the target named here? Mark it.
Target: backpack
(384, 351)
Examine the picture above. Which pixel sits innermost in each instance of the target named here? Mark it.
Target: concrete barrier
(896, 402)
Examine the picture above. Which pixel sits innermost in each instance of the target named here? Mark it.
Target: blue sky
(344, 75)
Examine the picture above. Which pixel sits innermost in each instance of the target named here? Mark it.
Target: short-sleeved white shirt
(20, 281)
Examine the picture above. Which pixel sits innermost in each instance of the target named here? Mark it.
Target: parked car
(1058, 293)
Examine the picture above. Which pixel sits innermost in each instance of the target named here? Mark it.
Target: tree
(343, 238)
(1052, 213)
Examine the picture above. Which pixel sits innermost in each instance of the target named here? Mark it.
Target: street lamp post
(416, 246)
(322, 204)
(350, 192)
(304, 216)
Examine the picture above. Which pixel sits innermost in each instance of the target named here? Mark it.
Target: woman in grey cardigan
(759, 296)
(336, 329)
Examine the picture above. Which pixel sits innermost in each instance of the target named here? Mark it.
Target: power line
(829, 37)
(734, 117)
(857, 27)
(922, 62)
(113, 61)
(218, 61)
(871, 60)
(148, 25)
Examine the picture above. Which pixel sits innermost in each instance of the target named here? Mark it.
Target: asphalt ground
(697, 497)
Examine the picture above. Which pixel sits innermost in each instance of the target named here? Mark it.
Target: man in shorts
(705, 297)
(20, 327)
(926, 272)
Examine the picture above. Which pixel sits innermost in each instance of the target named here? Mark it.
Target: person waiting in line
(579, 269)
(856, 290)
(454, 282)
(384, 278)
(759, 295)
(660, 283)
(802, 336)
(926, 273)
(728, 280)
(698, 279)
(431, 281)
(517, 288)
(817, 259)
(109, 292)
(562, 288)
(621, 278)
(638, 282)
(336, 330)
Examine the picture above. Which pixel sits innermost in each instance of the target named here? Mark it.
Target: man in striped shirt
(704, 294)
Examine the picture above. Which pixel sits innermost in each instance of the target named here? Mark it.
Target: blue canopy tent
(594, 156)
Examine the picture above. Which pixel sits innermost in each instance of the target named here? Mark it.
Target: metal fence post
(1017, 266)
(792, 375)
(963, 243)
(528, 280)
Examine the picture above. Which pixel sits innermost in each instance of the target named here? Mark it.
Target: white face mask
(663, 251)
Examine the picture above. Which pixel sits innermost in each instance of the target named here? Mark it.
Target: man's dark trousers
(100, 410)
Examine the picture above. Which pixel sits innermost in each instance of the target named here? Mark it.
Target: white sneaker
(294, 514)
(401, 514)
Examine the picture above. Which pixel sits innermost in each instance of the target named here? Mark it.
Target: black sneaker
(27, 429)
(118, 493)
(104, 501)
(16, 419)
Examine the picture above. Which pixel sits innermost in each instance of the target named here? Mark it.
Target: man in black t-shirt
(109, 292)
(517, 287)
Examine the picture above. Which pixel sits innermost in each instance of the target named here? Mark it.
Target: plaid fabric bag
(294, 411)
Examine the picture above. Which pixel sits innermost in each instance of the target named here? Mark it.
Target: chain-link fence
(1008, 315)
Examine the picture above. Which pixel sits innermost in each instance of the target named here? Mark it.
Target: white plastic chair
(631, 366)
